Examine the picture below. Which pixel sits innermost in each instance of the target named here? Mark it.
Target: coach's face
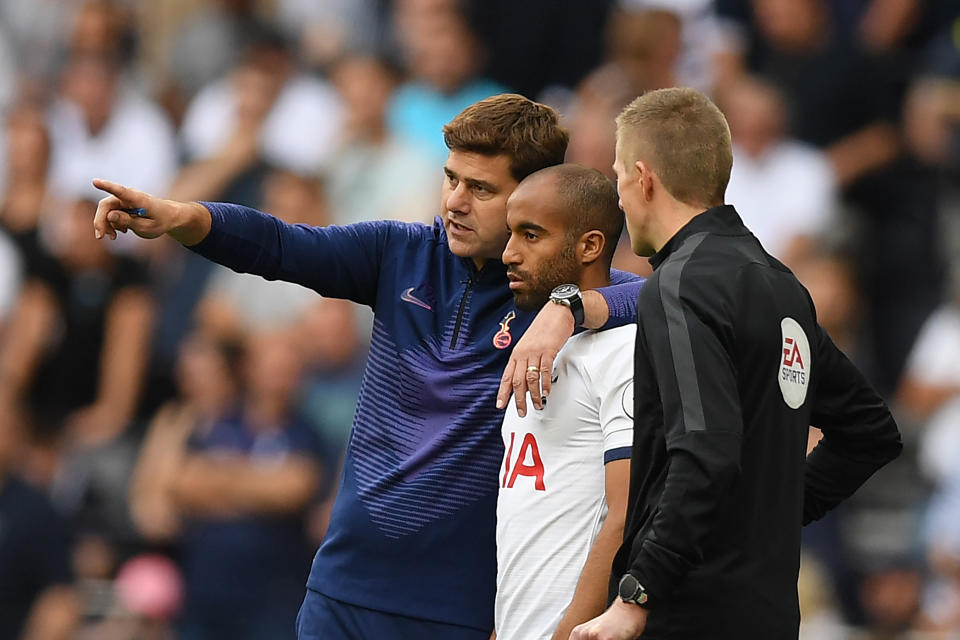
(475, 194)
(633, 202)
(540, 254)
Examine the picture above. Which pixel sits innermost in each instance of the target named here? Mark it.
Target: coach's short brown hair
(684, 138)
(528, 132)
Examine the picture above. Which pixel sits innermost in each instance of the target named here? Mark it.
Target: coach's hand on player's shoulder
(622, 621)
(125, 208)
(531, 362)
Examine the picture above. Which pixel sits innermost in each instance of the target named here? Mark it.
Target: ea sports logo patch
(794, 371)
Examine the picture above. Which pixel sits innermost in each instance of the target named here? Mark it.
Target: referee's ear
(645, 177)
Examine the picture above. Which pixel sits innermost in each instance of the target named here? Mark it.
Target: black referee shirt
(731, 368)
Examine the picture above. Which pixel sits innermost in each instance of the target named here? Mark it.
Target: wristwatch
(569, 295)
(631, 591)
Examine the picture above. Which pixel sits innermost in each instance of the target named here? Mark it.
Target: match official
(731, 369)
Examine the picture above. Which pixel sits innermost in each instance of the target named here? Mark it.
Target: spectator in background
(101, 29)
(243, 488)
(236, 165)
(37, 600)
(598, 99)
(263, 115)
(37, 32)
(932, 120)
(376, 174)
(831, 278)
(80, 329)
(694, 36)
(841, 99)
(642, 50)
(784, 189)
(334, 352)
(324, 30)
(930, 388)
(25, 196)
(207, 42)
(98, 125)
(932, 127)
(208, 373)
(847, 103)
(538, 44)
(236, 129)
(941, 606)
(239, 304)
(645, 45)
(267, 108)
(890, 27)
(444, 59)
(827, 581)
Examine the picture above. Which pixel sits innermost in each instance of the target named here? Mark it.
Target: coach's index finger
(129, 201)
(130, 197)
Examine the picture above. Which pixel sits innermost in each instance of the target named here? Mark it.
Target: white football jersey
(552, 503)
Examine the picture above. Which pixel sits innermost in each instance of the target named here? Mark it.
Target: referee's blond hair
(685, 140)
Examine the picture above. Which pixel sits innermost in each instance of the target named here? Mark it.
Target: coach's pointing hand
(148, 216)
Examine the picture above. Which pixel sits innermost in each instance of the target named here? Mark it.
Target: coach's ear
(590, 247)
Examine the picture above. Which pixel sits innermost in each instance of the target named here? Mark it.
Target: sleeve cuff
(620, 453)
(622, 302)
(658, 569)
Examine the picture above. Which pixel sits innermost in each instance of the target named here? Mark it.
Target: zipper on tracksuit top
(463, 304)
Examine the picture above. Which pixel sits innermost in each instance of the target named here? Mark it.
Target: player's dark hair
(528, 132)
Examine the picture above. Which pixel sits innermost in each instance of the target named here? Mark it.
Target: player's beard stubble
(552, 272)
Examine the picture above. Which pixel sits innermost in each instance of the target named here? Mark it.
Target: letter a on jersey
(533, 469)
(794, 371)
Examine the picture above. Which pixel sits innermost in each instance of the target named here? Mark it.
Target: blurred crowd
(171, 431)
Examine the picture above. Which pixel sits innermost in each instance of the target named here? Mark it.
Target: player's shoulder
(598, 345)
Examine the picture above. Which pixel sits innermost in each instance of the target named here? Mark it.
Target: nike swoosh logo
(407, 296)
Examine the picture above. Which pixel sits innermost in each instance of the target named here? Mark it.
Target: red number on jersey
(534, 469)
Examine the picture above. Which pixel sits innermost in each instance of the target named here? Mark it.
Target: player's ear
(591, 246)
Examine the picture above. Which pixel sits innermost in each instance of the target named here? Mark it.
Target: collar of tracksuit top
(723, 220)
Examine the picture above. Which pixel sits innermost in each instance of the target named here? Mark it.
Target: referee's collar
(723, 220)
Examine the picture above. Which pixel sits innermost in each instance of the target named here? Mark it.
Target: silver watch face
(565, 292)
(631, 590)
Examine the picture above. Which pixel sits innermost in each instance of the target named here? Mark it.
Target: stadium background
(118, 364)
